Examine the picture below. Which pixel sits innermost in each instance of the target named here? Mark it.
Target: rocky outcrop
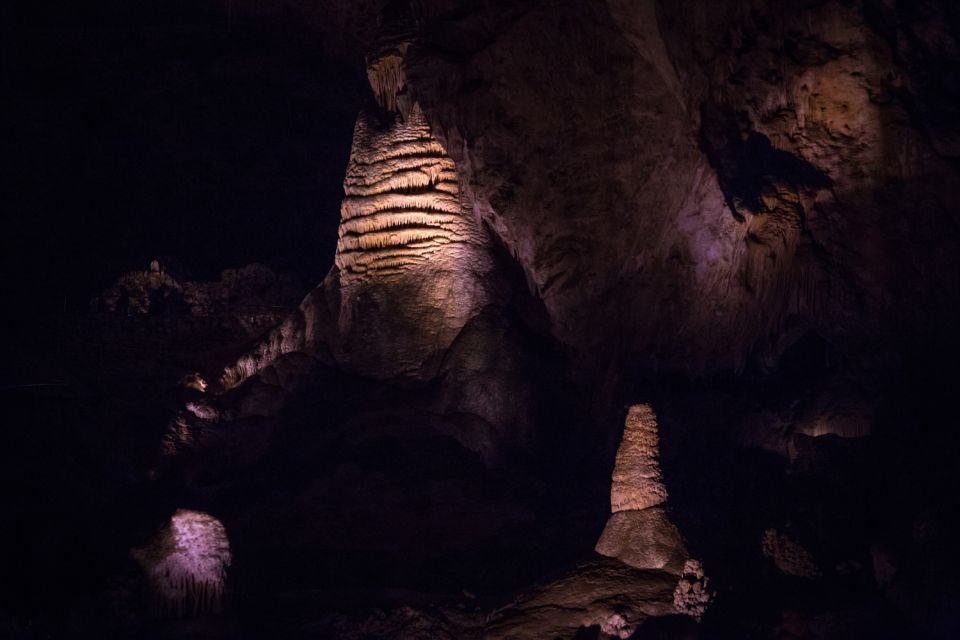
(691, 595)
(604, 593)
(626, 203)
(305, 330)
(644, 539)
(253, 296)
(412, 265)
(750, 167)
(788, 555)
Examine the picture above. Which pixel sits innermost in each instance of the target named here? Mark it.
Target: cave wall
(694, 185)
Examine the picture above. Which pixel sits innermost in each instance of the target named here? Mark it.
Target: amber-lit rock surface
(637, 479)
(603, 593)
(644, 539)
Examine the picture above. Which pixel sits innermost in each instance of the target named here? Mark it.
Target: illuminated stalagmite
(402, 208)
(637, 479)
(639, 531)
(412, 263)
(411, 259)
(647, 572)
(186, 565)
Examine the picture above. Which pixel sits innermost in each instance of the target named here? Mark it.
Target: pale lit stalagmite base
(186, 566)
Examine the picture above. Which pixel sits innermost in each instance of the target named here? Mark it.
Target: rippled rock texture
(413, 263)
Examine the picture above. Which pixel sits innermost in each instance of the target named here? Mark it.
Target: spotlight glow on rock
(186, 565)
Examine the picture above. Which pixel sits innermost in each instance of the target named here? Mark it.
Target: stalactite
(387, 78)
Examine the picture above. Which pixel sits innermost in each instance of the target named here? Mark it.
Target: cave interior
(507, 319)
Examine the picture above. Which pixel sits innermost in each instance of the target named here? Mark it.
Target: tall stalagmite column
(413, 264)
(639, 532)
(412, 260)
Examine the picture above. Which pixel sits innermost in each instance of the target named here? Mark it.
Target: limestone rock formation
(789, 556)
(254, 296)
(402, 207)
(639, 532)
(645, 539)
(744, 209)
(186, 565)
(305, 330)
(604, 593)
(386, 76)
(637, 480)
(412, 262)
(625, 172)
(138, 292)
(691, 595)
(385, 66)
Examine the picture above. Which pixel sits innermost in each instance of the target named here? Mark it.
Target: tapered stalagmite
(637, 480)
(412, 262)
(412, 266)
(639, 531)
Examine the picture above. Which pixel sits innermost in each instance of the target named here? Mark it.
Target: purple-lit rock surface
(186, 565)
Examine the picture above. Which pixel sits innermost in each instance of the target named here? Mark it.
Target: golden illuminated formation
(402, 204)
(413, 264)
(412, 261)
